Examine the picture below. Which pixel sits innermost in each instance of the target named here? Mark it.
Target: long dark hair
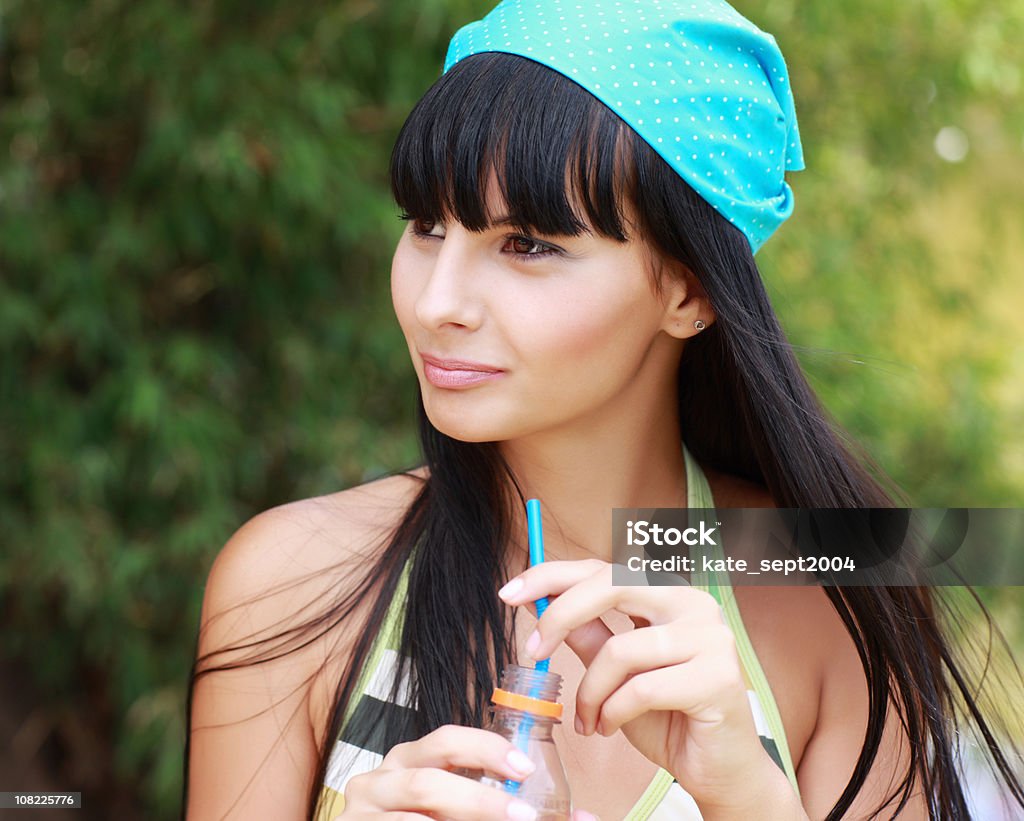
(745, 408)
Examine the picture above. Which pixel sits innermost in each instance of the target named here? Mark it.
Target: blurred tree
(195, 234)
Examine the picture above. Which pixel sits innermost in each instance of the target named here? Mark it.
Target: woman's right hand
(415, 780)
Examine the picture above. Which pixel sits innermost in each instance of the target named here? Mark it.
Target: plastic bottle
(524, 710)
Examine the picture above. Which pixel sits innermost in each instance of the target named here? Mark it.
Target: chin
(475, 426)
(465, 431)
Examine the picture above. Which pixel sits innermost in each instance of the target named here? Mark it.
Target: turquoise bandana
(705, 87)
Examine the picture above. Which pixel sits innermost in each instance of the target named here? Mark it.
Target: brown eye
(423, 226)
(522, 245)
(524, 248)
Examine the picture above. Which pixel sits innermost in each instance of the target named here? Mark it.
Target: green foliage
(898, 275)
(194, 313)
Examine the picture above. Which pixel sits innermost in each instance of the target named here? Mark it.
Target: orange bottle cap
(536, 706)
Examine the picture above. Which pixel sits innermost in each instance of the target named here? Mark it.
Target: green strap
(699, 496)
(388, 638)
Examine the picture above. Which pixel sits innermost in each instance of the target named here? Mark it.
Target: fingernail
(583, 815)
(510, 589)
(533, 643)
(520, 811)
(520, 762)
(578, 724)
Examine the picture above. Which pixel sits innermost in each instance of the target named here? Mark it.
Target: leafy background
(195, 236)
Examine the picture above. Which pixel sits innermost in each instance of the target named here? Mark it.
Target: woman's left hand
(674, 685)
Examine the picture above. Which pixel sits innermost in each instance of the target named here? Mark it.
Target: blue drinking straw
(536, 531)
(536, 534)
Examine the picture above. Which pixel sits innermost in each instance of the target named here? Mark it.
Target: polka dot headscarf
(705, 87)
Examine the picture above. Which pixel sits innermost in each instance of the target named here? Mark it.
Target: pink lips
(457, 373)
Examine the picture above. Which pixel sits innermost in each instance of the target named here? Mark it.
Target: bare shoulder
(253, 739)
(304, 546)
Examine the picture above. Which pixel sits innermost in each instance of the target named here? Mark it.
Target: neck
(582, 472)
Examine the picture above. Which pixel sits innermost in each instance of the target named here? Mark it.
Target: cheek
(403, 289)
(608, 327)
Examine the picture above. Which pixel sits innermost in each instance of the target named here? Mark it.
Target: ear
(686, 304)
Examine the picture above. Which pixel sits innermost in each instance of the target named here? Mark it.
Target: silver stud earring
(699, 325)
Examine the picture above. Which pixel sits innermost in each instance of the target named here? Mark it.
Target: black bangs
(551, 146)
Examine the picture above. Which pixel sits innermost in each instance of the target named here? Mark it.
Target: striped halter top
(361, 744)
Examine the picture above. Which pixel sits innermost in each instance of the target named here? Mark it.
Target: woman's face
(512, 335)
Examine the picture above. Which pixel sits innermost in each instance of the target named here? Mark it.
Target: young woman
(584, 189)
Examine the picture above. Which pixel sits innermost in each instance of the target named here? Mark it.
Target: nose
(450, 296)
